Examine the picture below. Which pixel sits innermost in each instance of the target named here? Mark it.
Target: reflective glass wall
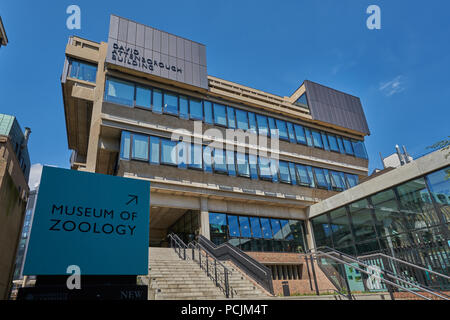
(257, 233)
(411, 220)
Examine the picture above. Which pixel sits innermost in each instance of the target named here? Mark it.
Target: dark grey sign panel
(335, 107)
(142, 48)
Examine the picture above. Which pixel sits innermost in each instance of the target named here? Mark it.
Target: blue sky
(401, 72)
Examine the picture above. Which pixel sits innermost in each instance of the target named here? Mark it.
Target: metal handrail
(218, 273)
(318, 253)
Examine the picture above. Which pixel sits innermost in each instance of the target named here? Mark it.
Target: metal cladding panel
(335, 107)
(145, 49)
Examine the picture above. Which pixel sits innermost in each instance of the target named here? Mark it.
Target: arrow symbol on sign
(133, 198)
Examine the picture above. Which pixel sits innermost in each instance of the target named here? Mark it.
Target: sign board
(97, 222)
(145, 49)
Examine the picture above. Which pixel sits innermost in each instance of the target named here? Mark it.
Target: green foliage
(443, 145)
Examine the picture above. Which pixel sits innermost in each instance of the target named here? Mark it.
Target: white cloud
(35, 176)
(394, 86)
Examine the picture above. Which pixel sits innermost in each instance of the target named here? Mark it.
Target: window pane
(348, 147)
(196, 109)
(242, 164)
(140, 147)
(351, 179)
(264, 168)
(285, 175)
(245, 227)
(207, 159)
(154, 150)
(340, 227)
(230, 163)
(157, 101)
(362, 221)
(325, 141)
(303, 175)
(83, 71)
(317, 139)
(231, 118)
(274, 169)
(168, 152)
(218, 227)
(208, 112)
(233, 226)
(125, 145)
(196, 159)
(242, 119)
(309, 140)
(360, 149)
(219, 161)
(282, 128)
(273, 128)
(220, 115)
(291, 132)
(336, 181)
(296, 236)
(300, 134)
(143, 97)
(439, 184)
(276, 229)
(311, 176)
(389, 219)
(292, 173)
(341, 145)
(170, 103)
(262, 125)
(322, 231)
(253, 162)
(182, 154)
(333, 143)
(184, 107)
(327, 177)
(121, 92)
(266, 229)
(252, 122)
(256, 227)
(320, 178)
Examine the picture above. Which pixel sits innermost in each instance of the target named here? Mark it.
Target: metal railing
(213, 268)
(384, 273)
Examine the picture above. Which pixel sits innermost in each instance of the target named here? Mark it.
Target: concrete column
(204, 218)
(310, 234)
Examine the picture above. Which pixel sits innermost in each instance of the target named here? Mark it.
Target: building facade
(14, 172)
(227, 161)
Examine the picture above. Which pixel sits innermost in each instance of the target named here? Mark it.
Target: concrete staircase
(171, 278)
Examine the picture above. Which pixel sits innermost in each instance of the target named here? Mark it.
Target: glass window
(266, 229)
(220, 115)
(439, 184)
(309, 140)
(262, 125)
(326, 146)
(231, 163)
(327, 177)
(341, 145)
(83, 71)
(320, 178)
(245, 227)
(362, 220)
(276, 229)
(303, 175)
(242, 164)
(207, 159)
(292, 173)
(184, 108)
(274, 169)
(297, 243)
(336, 181)
(182, 154)
(333, 142)
(300, 134)
(282, 129)
(168, 152)
(302, 101)
(143, 97)
(208, 112)
(348, 147)
(273, 128)
(231, 118)
(154, 150)
(360, 149)
(285, 175)
(195, 109)
(340, 228)
(157, 101)
(196, 159)
(264, 168)
(242, 119)
(253, 163)
(218, 227)
(311, 176)
(140, 147)
(170, 103)
(219, 161)
(252, 122)
(389, 220)
(291, 132)
(121, 92)
(125, 145)
(233, 226)
(322, 231)
(256, 227)
(317, 139)
(352, 179)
